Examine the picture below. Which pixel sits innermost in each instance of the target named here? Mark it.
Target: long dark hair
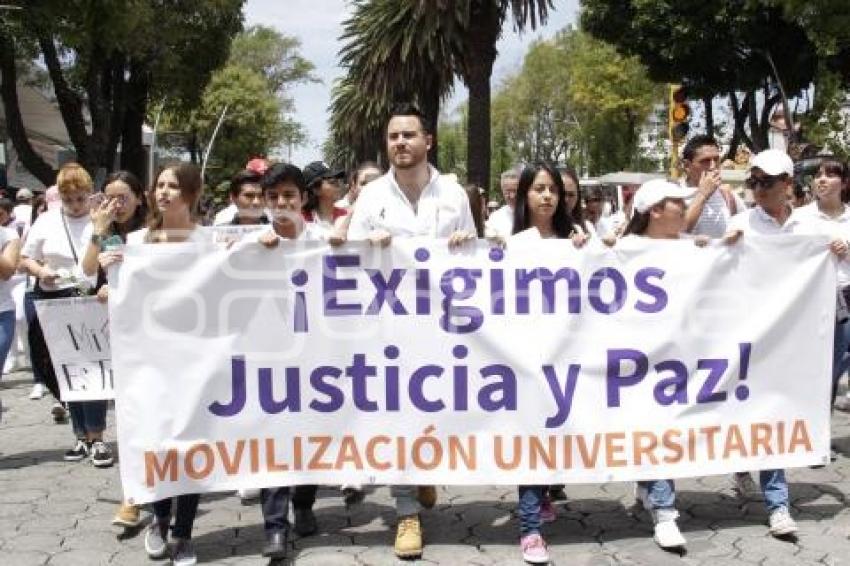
(138, 219)
(638, 223)
(562, 223)
(577, 213)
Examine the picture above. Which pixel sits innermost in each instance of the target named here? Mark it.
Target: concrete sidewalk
(59, 513)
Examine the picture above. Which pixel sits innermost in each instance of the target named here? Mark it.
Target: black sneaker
(80, 451)
(101, 454)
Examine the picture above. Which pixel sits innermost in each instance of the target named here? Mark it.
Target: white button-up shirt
(443, 209)
(501, 222)
(813, 221)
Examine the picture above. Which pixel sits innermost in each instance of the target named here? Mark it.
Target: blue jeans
(7, 333)
(88, 417)
(774, 486)
(661, 493)
(840, 360)
(405, 500)
(530, 498)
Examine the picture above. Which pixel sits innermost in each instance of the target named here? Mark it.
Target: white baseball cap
(652, 192)
(773, 162)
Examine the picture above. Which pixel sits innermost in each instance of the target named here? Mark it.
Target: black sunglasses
(764, 182)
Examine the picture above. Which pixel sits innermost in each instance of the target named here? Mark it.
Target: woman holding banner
(540, 212)
(121, 211)
(51, 255)
(171, 220)
(830, 216)
(659, 213)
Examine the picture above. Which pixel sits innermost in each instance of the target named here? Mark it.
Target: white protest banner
(414, 364)
(77, 334)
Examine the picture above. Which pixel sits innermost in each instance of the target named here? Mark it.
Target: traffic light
(680, 113)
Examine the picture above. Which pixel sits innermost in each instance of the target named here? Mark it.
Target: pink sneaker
(547, 511)
(534, 549)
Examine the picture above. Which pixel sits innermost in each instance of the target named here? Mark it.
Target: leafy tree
(106, 60)
(253, 123)
(574, 99)
(263, 65)
(732, 48)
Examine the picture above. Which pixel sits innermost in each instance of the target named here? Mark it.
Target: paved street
(58, 513)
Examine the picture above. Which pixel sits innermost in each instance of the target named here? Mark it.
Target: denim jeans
(661, 493)
(405, 500)
(275, 504)
(7, 333)
(88, 417)
(775, 489)
(530, 498)
(840, 360)
(184, 516)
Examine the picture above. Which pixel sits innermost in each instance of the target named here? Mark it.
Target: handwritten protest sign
(77, 334)
(415, 364)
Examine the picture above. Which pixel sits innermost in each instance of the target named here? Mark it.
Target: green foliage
(262, 66)
(253, 122)
(826, 125)
(273, 55)
(575, 99)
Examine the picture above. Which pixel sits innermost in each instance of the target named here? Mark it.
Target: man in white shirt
(771, 175)
(501, 222)
(411, 199)
(713, 204)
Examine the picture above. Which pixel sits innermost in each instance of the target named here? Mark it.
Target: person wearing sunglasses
(771, 178)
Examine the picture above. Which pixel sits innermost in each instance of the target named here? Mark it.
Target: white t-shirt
(7, 302)
(443, 209)
(48, 243)
(611, 225)
(714, 220)
(812, 221)
(501, 222)
(198, 235)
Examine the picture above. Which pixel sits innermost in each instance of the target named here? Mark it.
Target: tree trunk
(485, 25)
(14, 122)
(709, 114)
(70, 105)
(132, 148)
(430, 102)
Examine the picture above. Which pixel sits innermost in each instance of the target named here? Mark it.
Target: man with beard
(411, 199)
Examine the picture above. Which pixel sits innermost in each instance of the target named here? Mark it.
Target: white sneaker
(781, 523)
(248, 495)
(667, 534)
(38, 391)
(745, 487)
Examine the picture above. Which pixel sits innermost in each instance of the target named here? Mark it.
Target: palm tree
(411, 49)
(475, 62)
(396, 50)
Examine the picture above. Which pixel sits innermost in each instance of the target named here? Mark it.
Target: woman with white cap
(659, 213)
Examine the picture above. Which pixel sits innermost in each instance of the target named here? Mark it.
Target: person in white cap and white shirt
(658, 212)
(771, 178)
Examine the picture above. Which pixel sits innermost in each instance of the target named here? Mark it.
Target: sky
(318, 24)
